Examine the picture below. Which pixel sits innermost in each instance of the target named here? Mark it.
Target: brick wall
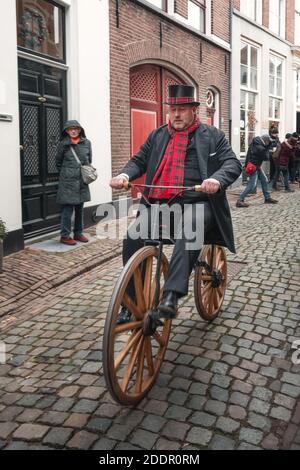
(221, 19)
(181, 7)
(138, 40)
(265, 13)
(290, 21)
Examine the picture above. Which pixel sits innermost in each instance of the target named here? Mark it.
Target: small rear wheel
(210, 281)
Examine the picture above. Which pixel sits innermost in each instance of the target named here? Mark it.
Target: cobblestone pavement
(231, 384)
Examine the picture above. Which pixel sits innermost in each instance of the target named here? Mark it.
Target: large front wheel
(133, 352)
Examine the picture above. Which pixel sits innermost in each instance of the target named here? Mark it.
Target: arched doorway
(148, 93)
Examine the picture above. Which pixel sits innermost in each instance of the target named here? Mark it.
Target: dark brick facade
(138, 40)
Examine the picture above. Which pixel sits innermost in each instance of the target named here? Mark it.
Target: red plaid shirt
(171, 170)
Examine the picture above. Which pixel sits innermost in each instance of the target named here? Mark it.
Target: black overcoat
(71, 188)
(216, 160)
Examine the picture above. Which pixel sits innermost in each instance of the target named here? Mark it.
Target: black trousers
(187, 247)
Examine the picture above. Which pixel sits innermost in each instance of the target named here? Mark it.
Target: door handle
(21, 148)
(42, 99)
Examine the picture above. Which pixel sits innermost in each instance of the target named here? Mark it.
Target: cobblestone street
(231, 384)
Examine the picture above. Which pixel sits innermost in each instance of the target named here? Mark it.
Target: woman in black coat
(72, 191)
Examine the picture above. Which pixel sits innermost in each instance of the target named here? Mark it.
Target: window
(297, 22)
(159, 4)
(275, 88)
(248, 103)
(277, 17)
(252, 9)
(40, 26)
(247, 119)
(249, 66)
(196, 14)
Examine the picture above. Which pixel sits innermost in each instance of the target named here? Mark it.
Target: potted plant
(3, 233)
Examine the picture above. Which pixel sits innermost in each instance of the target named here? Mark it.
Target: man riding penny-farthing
(190, 165)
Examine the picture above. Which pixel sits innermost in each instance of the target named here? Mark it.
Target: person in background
(292, 162)
(297, 161)
(286, 152)
(72, 191)
(274, 136)
(258, 152)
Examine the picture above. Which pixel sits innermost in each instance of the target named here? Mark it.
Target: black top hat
(182, 94)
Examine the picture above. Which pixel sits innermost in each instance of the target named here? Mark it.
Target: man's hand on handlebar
(210, 186)
(118, 182)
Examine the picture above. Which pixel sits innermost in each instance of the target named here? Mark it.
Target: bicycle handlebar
(197, 188)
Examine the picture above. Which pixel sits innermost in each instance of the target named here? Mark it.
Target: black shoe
(168, 306)
(289, 190)
(271, 201)
(241, 203)
(124, 316)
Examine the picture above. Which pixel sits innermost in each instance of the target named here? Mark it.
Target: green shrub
(3, 230)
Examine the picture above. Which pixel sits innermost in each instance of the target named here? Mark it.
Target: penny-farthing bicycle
(133, 352)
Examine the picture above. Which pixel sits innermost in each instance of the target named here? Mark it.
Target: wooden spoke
(132, 341)
(149, 356)
(206, 288)
(206, 277)
(221, 265)
(215, 298)
(138, 286)
(131, 363)
(217, 258)
(220, 290)
(128, 326)
(132, 307)
(140, 368)
(159, 339)
(147, 282)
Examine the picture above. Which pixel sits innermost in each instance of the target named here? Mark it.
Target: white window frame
(187, 21)
(158, 4)
(297, 23)
(274, 96)
(278, 16)
(257, 13)
(247, 89)
(298, 87)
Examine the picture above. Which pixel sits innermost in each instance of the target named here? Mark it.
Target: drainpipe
(230, 70)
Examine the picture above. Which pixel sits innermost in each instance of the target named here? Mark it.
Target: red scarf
(171, 170)
(75, 140)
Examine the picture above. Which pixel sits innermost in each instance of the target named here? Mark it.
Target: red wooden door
(148, 91)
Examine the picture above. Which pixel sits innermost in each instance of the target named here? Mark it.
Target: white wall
(88, 97)
(89, 84)
(266, 43)
(10, 183)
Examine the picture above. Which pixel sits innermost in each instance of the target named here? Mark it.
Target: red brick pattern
(290, 21)
(181, 7)
(221, 19)
(265, 13)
